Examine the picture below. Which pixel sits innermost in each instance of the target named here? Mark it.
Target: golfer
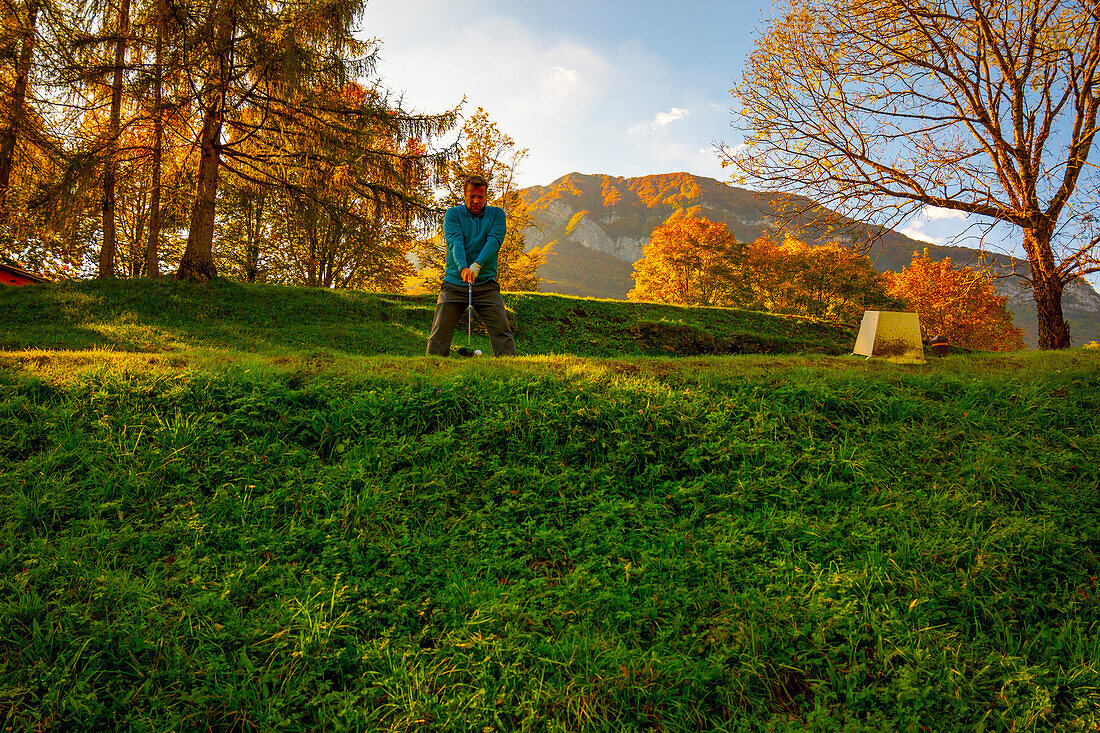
(474, 233)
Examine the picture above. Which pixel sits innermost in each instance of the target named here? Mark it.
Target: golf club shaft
(469, 312)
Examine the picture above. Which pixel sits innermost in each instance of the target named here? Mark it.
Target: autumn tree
(31, 154)
(75, 160)
(877, 108)
(829, 281)
(323, 232)
(20, 32)
(162, 53)
(269, 72)
(689, 260)
(121, 35)
(487, 152)
(151, 192)
(341, 245)
(957, 302)
(94, 72)
(245, 232)
(297, 209)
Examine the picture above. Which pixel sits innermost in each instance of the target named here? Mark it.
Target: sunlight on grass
(285, 529)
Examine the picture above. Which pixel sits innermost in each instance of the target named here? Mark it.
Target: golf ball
(477, 352)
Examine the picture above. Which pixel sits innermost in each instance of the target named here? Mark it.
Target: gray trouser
(489, 307)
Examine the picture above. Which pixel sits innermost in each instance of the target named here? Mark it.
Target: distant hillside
(598, 225)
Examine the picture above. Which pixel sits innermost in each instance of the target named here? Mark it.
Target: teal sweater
(473, 239)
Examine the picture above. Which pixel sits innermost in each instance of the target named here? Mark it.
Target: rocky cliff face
(601, 223)
(1078, 296)
(561, 222)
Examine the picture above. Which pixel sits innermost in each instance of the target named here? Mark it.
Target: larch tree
(957, 302)
(38, 226)
(162, 72)
(342, 186)
(20, 33)
(95, 75)
(244, 228)
(877, 108)
(74, 148)
(270, 71)
(29, 37)
(108, 252)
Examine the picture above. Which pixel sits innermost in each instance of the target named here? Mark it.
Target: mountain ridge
(597, 225)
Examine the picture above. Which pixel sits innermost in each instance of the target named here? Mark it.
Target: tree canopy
(829, 281)
(689, 260)
(135, 131)
(957, 302)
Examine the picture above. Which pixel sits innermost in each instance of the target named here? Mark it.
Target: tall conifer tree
(270, 74)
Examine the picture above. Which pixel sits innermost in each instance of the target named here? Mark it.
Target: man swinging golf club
(474, 233)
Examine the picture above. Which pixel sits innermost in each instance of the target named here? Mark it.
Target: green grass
(165, 316)
(301, 540)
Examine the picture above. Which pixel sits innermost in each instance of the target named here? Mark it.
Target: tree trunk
(137, 254)
(334, 232)
(1047, 288)
(198, 257)
(253, 228)
(197, 262)
(152, 248)
(1053, 329)
(110, 164)
(10, 136)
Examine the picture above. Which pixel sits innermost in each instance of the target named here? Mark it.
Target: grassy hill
(164, 316)
(239, 507)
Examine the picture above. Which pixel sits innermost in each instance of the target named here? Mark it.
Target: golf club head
(464, 351)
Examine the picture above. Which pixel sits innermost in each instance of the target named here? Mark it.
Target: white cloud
(659, 121)
(565, 98)
(564, 74)
(738, 149)
(934, 225)
(935, 213)
(665, 118)
(914, 231)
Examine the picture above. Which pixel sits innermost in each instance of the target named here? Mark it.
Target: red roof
(15, 275)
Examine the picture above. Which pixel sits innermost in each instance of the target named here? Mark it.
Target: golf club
(466, 350)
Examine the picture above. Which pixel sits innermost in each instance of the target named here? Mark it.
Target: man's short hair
(475, 182)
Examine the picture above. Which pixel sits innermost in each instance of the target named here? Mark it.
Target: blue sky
(595, 87)
(590, 86)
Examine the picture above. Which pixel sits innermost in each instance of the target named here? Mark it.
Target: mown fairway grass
(312, 540)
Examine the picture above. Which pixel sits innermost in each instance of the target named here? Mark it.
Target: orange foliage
(611, 195)
(827, 281)
(957, 302)
(689, 261)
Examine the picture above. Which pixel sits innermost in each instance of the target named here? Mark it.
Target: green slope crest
(164, 315)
